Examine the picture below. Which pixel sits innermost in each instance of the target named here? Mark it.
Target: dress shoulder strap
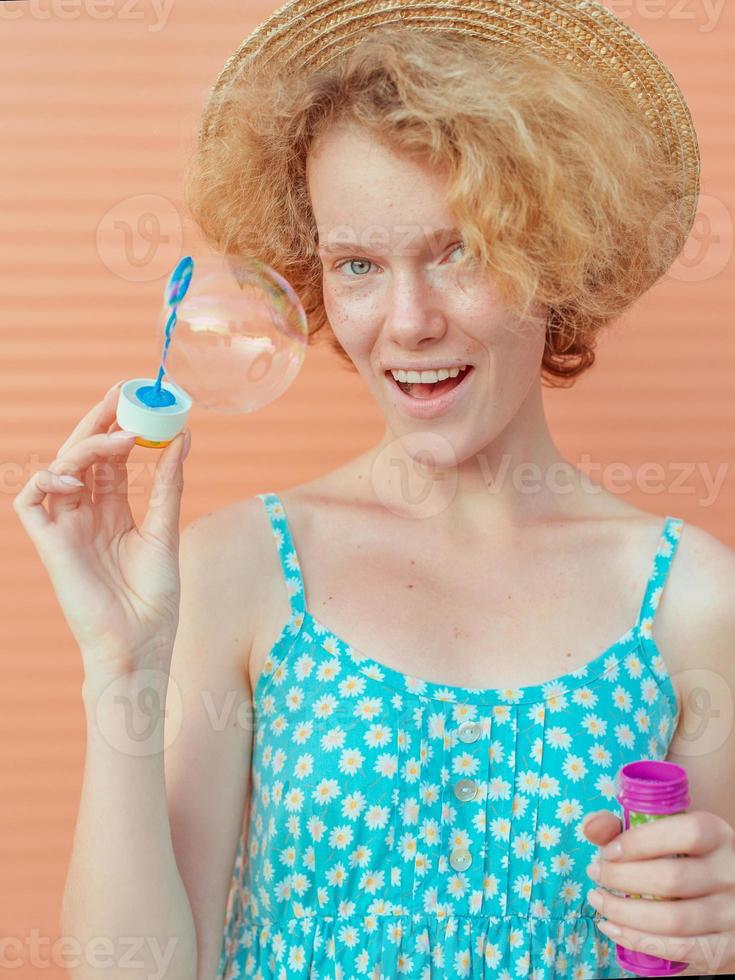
(286, 551)
(662, 560)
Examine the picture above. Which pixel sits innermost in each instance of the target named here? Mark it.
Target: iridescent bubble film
(240, 334)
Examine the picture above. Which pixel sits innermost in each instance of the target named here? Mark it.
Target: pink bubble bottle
(649, 790)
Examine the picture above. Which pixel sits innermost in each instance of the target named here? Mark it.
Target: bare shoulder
(705, 573)
(707, 580)
(701, 585)
(695, 624)
(232, 537)
(221, 555)
(226, 525)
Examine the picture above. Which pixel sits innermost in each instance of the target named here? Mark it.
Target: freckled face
(395, 295)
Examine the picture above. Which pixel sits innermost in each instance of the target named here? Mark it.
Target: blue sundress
(400, 828)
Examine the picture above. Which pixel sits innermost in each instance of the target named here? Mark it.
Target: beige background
(99, 110)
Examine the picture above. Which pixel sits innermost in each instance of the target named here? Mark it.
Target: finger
(162, 517)
(97, 419)
(100, 418)
(708, 952)
(77, 462)
(110, 481)
(110, 478)
(667, 917)
(668, 877)
(692, 833)
(28, 504)
(601, 826)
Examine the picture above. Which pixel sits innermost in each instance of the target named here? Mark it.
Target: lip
(429, 408)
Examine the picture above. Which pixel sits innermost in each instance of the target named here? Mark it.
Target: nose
(414, 315)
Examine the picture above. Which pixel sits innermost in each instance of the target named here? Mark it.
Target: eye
(353, 262)
(364, 261)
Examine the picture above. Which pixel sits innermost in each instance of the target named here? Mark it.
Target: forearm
(125, 904)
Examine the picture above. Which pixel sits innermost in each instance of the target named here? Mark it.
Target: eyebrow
(342, 246)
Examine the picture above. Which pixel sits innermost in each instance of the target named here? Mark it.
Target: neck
(515, 480)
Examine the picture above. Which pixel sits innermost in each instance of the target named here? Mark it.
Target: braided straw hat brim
(308, 34)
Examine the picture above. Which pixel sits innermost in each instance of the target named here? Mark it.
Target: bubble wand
(176, 287)
(155, 396)
(241, 336)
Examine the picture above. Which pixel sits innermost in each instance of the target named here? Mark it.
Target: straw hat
(307, 34)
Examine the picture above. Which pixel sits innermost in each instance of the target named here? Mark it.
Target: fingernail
(593, 870)
(70, 480)
(594, 898)
(187, 445)
(612, 850)
(608, 926)
(123, 434)
(590, 816)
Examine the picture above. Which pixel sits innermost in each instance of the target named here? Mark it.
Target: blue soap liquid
(154, 396)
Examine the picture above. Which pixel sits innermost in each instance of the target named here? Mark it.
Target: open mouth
(420, 390)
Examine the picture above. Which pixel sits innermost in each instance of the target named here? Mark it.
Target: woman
(439, 205)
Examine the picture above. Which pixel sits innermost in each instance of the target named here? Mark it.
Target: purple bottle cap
(653, 786)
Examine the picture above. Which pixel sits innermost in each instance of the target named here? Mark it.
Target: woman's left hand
(694, 922)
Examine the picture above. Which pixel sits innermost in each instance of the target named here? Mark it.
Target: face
(395, 296)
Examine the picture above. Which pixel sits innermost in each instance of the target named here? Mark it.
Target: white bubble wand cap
(156, 426)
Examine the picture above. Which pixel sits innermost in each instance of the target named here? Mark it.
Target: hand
(694, 922)
(118, 585)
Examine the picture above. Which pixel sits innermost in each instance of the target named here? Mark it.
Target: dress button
(469, 731)
(465, 789)
(460, 859)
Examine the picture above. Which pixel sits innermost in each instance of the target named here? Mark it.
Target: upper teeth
(426, 377)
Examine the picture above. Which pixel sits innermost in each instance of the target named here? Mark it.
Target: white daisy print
(361, 859)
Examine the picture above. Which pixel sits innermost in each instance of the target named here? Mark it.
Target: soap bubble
(239, 337)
